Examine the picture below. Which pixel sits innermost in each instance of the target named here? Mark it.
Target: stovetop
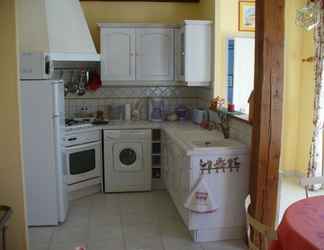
(80, 123)
(74, 124)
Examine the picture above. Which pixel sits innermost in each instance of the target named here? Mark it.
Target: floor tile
(225, 245)
(154, 243)
(41, 234)
(36, 245)
(70, 234)
(106, 245)
(107, 232)
(141, 231)
(67, 245)
(130, 221)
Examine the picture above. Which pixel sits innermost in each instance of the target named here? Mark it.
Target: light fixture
(308, 16)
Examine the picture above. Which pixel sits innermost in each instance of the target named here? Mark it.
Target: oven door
(83, 162)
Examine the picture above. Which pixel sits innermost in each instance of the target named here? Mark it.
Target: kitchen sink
(223, 143)
(191, 136)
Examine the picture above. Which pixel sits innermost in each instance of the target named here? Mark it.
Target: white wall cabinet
(155, 54)
(136, 53)
(117, 54)
(194, 53)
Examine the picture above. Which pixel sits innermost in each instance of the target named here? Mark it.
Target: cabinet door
(180, 54)
(164, 158)
(117, 54)
(154, 54)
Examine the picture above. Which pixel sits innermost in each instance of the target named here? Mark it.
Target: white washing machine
(128, 163)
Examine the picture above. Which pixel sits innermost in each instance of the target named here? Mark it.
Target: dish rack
(5, 214)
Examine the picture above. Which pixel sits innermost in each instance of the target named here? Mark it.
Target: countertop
(190, 137)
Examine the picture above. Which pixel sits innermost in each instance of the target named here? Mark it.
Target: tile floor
(136, 221)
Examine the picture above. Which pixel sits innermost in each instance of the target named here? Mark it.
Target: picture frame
(246, 16)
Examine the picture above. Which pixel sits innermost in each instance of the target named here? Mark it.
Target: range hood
(57, 27)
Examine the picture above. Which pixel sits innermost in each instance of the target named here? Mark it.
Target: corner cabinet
(193, 56)
(229, 185)
(136, 53)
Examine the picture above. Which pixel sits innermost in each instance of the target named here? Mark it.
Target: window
(240, 72)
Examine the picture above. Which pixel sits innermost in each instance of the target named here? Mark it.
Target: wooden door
(155, 54)
(117, 54)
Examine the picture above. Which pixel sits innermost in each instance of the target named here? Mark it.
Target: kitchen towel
(200, 199)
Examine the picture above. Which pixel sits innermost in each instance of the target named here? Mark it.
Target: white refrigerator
(43, 123)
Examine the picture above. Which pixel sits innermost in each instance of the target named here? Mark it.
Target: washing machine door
(130, 168)
(128, 157)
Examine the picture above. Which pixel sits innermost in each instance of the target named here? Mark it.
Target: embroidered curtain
(315, 167)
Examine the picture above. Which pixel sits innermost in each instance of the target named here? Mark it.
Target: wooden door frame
(268, 100)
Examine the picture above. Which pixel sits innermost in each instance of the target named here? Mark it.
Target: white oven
(83, 158)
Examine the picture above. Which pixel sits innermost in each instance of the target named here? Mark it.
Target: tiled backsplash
(100, 99)
(114, 95)
(74, 105)
(173, 96)
(140, 92)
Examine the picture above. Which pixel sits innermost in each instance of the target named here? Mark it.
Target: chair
(306, 182)
(266, 232)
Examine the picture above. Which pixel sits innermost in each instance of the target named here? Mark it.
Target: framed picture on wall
(246, 16)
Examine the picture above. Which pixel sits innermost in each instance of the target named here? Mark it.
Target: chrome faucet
(222, 125)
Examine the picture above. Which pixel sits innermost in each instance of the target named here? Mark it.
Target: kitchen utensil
(182, 112)
(231, 107)
(172, 117)
(99, 115)
(128, 112)
(84, 75)
(74, 84)
(66, 90)
(94, 82)
(99, 122)
(308, 16)
(199, 115)
(156, 110)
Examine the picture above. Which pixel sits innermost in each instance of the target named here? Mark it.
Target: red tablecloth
(302, 227)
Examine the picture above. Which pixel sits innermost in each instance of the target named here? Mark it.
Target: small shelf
(156, 173)
(153, 142)
(156, 166)
(156, 135)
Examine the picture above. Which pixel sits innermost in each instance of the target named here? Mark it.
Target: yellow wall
(226, 25)
(207, 9)
(298, 95)
(305, 104)
(97, 12)
(33, 34)
(11, 172)
(293, 37)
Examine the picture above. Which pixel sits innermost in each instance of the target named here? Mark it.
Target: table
(302, 226)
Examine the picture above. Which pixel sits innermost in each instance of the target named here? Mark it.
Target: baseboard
(291, 173)
(218, 234)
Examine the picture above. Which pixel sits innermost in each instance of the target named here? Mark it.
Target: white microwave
(36, 66)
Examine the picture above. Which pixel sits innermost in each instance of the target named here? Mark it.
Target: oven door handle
(82, 146)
